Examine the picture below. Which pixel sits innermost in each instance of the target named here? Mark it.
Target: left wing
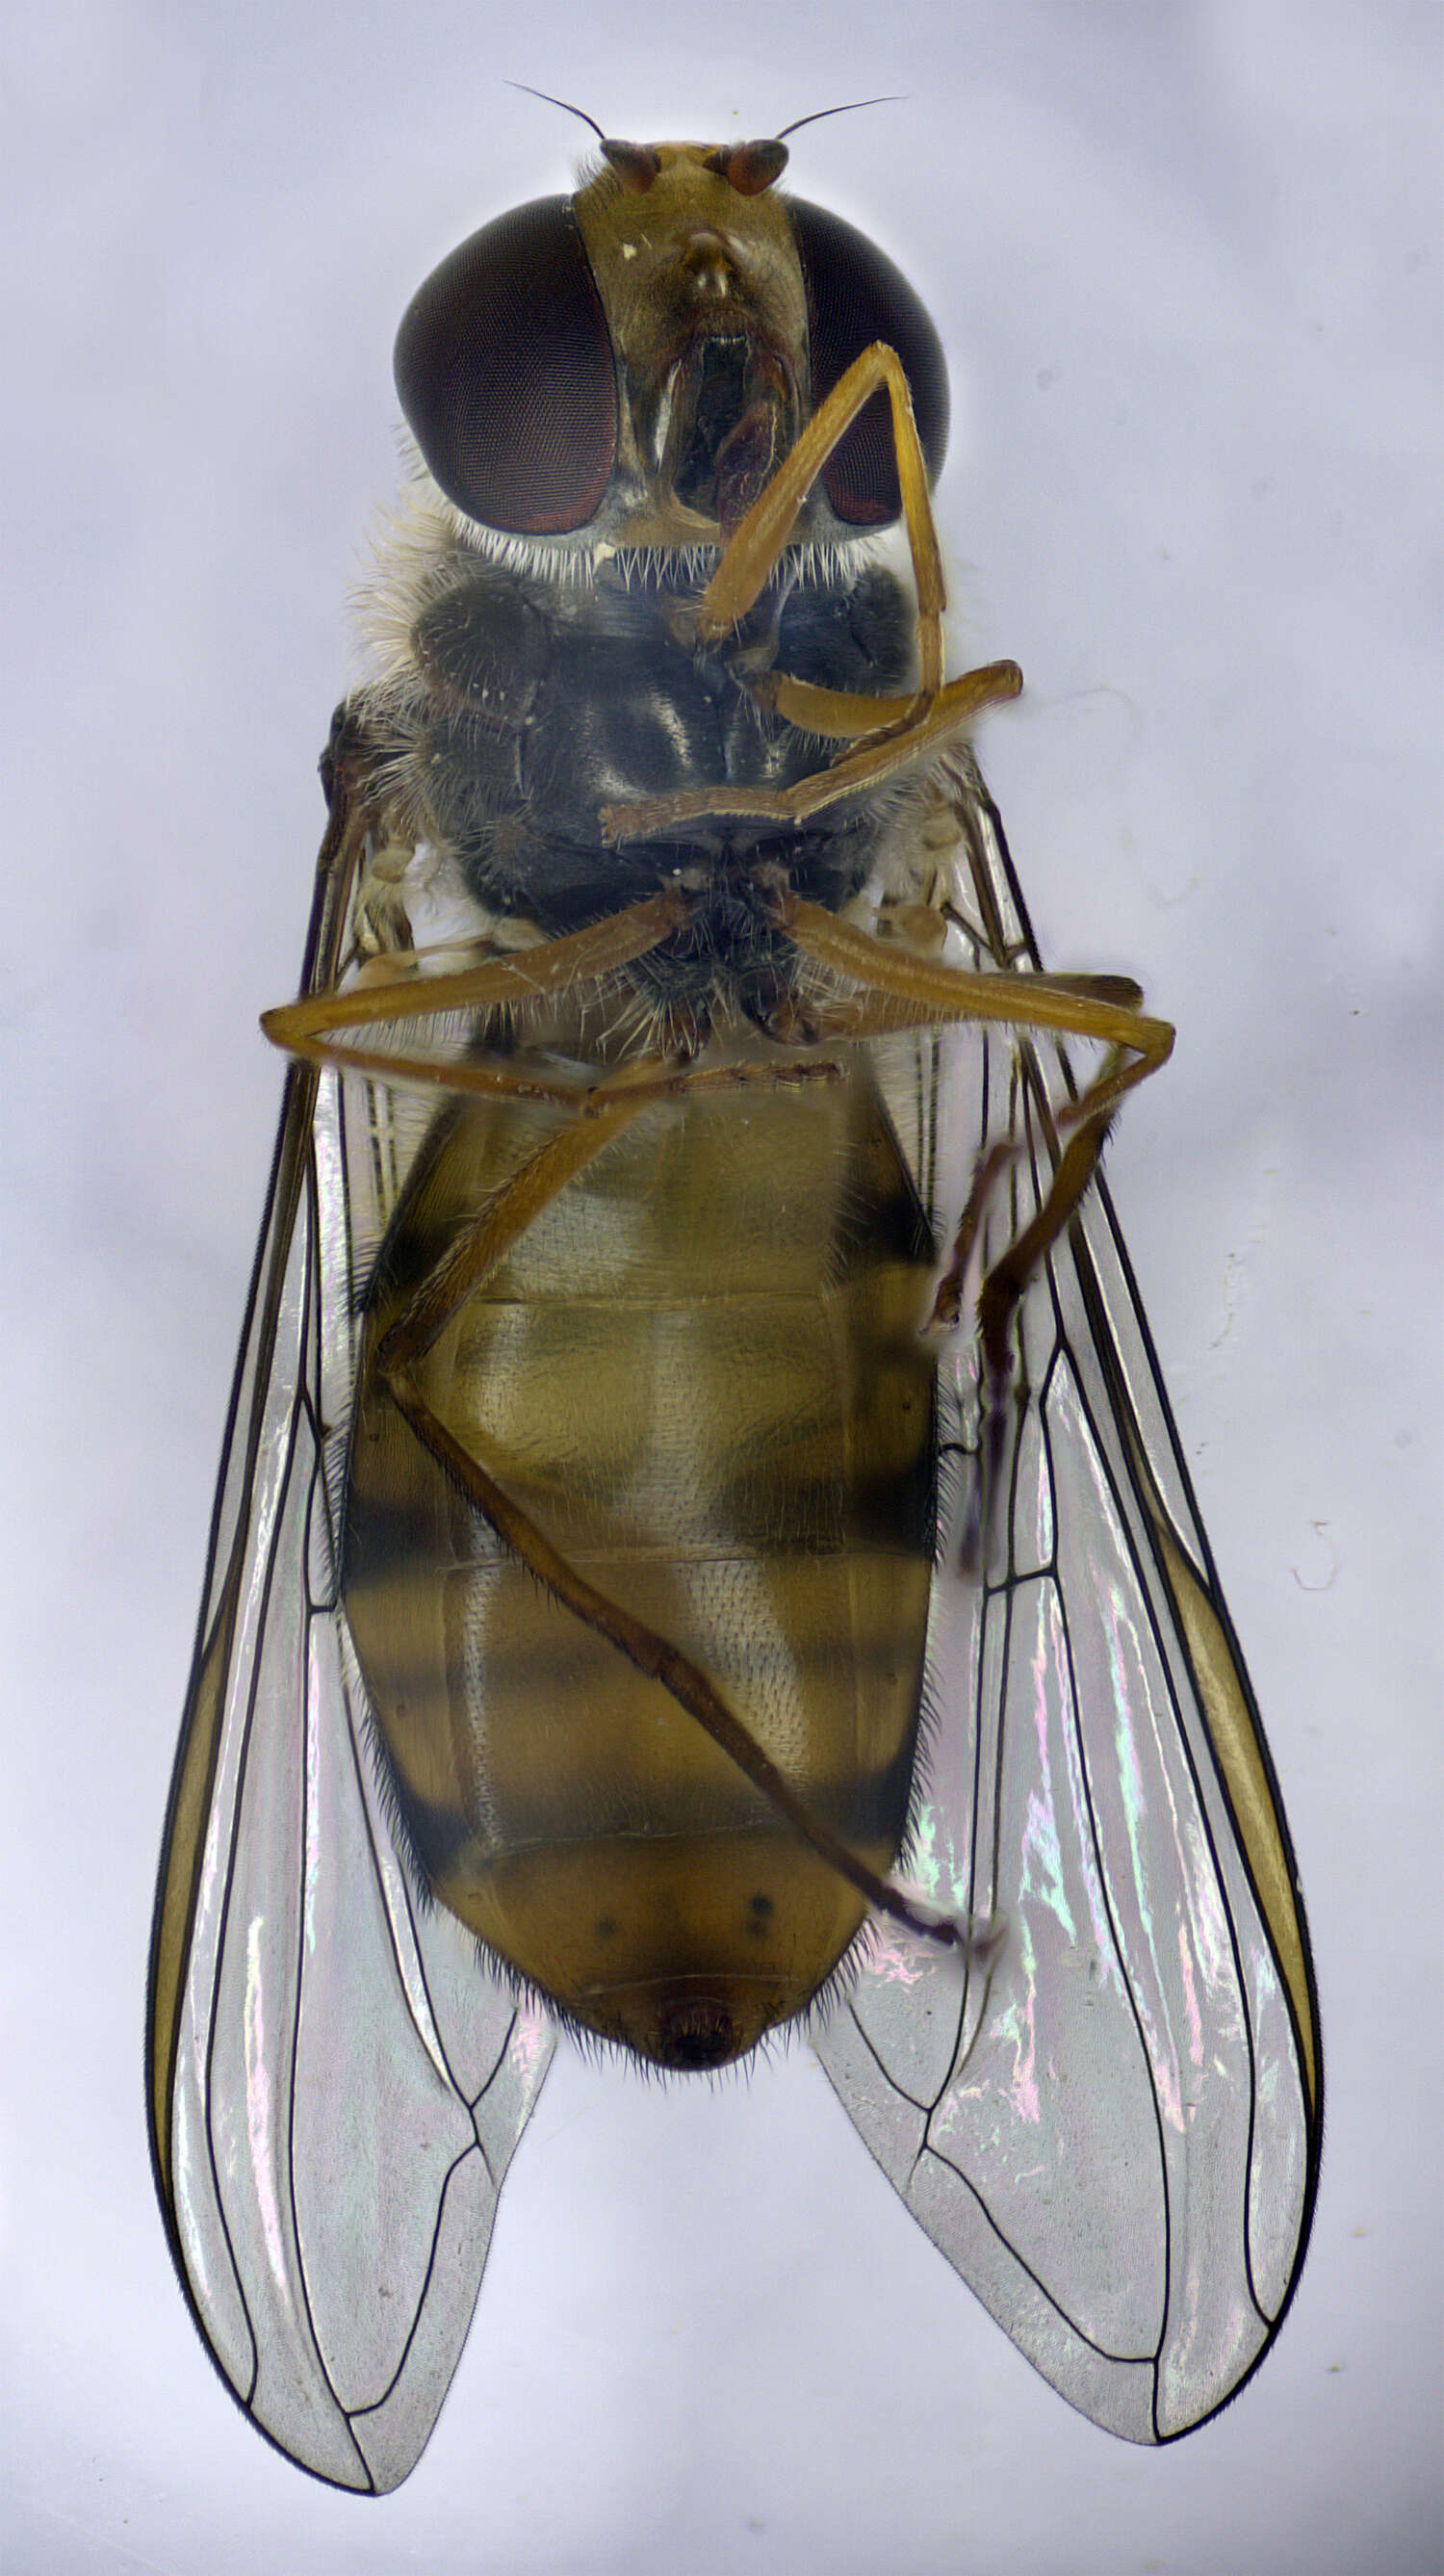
(336, 2081)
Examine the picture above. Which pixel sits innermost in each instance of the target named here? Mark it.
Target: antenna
(564, 104)
(893, 100)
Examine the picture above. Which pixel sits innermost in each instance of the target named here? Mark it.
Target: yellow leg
(894, 733)
(652, 1654)
(600, 1112)
(900, 989)
(524, 975)
(610, 1106)
(760, 539)
(917, 737)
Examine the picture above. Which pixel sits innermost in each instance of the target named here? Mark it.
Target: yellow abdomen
(700, 1373)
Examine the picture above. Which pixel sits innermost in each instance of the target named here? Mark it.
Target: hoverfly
(701, 1543)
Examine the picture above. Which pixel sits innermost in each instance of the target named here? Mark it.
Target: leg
(653, 1656)
(902, 989)
(512, 981)
(455, 1278)
(893, 733)
(599, 1114)
(941, 720)
(760, 539)
(909, 991)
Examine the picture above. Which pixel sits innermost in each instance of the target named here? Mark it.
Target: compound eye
(506, 375)
(856, 296)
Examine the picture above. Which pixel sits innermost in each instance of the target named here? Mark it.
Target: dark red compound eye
(506, 375)
(855, 296)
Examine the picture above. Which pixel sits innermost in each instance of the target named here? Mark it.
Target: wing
(1111, 2126)
(336, 2085)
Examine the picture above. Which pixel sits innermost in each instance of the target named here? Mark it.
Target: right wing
(1110, 2122)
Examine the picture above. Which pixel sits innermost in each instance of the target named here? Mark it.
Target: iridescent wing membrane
(337, 2082)
(1110, 2125)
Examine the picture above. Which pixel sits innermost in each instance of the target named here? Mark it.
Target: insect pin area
(702, 1549)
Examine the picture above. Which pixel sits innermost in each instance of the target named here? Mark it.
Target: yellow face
(627, 369)
(703, 292)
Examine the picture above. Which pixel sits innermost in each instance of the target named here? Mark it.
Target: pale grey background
(1185, 260)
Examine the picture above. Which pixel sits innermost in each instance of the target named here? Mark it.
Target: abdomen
(700, 1372)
